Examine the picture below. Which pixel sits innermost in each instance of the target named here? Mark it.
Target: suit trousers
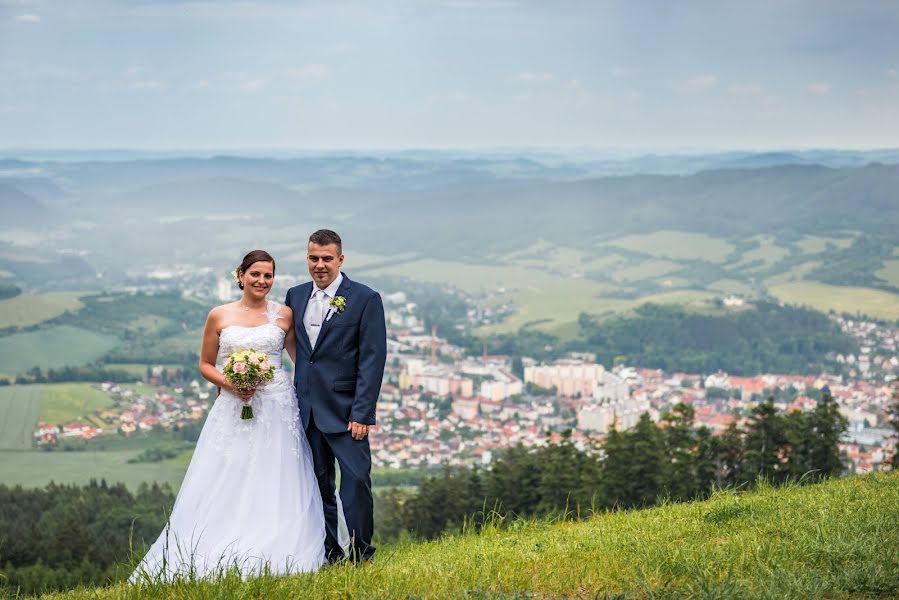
(354, 458)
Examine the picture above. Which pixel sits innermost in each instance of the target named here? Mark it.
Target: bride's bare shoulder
(218, 313)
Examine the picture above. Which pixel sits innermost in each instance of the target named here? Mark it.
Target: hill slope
(839, 539)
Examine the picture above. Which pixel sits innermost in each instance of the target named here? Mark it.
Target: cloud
(309, 72)
(744, 89)
(202, 84)
(533, 77)
(698, 84)
(819, 88)
(28, 18)
(619, 71)
(133, 71)
(891, 72)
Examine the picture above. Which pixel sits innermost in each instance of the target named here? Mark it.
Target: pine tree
(767, 445)
(680, 443)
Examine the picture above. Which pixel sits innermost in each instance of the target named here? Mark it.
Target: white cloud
(572, 84)
(538, 77)
(744, 89)
(201, 84)
(819, 88)
(698, 84)
(133, 71)
(309, 72)
(891, 72)
(634, 95)
(28, 18)
(619, 71)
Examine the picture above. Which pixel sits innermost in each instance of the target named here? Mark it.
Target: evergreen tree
(680, 476)
(767, 445)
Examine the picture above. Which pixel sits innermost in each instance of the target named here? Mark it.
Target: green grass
(676, 245)
(890, 272)
(52, 348)
(19, 408)
(834, 540)
(820, 296)
(67, 402)
(30, 309)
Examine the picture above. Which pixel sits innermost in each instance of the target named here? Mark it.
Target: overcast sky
(176, 74)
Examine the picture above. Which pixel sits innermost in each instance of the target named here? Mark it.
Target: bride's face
(258, 279)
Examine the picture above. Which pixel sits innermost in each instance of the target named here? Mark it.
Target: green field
(52, 348)
(676, 245)
(890, 272)
(732, 286)
(812, 244)
(30, 309)
(768, 252)
(835, 540)
(823, 297)
(37, 468)
(648, 269)
(67, 402)
(19, 409)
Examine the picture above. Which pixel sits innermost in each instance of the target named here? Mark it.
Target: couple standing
(259, 494)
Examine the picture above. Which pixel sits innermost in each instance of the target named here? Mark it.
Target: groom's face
(324, 263)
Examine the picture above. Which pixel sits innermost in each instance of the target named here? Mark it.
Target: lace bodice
(268, 338)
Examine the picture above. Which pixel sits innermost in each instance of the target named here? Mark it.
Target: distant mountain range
(449, 204)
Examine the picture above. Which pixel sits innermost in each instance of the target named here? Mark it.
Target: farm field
(823, 297)
(676, 245)
(30, 309)
(37, 468)
(19, 408)
(890, 272)
(66, 402)
(52, 348)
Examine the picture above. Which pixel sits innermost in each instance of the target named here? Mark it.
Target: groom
(341, 351)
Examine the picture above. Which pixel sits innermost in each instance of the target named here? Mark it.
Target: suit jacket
(340, 379)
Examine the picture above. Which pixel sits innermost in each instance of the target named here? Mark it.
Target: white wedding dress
(249, 500)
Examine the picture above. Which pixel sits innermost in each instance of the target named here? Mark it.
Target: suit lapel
(343, 290)
(300, 314)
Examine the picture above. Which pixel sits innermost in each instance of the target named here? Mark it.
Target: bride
(249, 500)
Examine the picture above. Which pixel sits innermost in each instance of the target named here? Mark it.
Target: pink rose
(240, 367)
(253, 358)
(264, 365)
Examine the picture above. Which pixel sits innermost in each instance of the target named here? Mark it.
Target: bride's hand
(244, 395)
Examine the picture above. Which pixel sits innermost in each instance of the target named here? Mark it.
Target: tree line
(673, 460)
(63, 536)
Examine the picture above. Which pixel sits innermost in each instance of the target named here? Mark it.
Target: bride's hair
(253, 256)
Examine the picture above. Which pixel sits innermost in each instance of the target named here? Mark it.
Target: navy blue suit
(338, 382)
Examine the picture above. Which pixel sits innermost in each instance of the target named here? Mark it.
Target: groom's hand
(357, 430)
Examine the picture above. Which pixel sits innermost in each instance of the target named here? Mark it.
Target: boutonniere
(338, 303)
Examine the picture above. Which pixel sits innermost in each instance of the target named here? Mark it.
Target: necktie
(315, 319)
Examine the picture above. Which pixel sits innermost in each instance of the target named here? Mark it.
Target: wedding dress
(249, 500)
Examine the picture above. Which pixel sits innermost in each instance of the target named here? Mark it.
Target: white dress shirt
(309, 320)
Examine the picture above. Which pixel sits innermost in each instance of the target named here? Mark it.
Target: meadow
(852, 300)
(19, 409)
(63, 403)
(838, 539)
(52, 348)
(30, 309)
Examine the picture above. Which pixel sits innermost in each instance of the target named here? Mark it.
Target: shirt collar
(331, 290)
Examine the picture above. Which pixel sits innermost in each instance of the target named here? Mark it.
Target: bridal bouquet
(247, 370)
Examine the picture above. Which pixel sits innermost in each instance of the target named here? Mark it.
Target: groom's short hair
(324, 237)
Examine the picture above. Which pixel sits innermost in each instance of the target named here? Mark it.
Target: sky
(629, 75)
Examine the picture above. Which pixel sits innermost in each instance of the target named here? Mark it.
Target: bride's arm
(209, 354)
(290, 340)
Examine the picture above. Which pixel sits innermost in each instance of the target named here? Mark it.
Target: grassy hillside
(834, 540)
